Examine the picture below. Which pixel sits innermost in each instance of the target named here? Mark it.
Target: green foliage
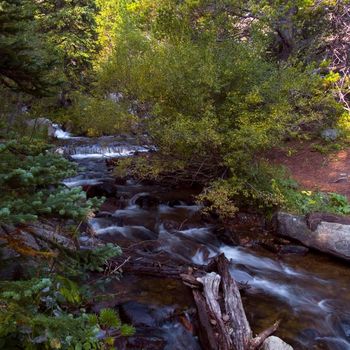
(219, 199)
(269, 188)
(92, 260)
(46, 313)
(327, 148)
(24, 61)
(108, 318)
(96, 116)
(47, 47)
(304, 202)
(69, 29)
(30, 180)
(215, 100)
(344, 125)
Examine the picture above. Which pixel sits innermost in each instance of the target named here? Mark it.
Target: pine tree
(24, 61)
(30, 180)
(69, 28)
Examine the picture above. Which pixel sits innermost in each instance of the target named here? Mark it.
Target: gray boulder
(330, 134)
(329, 237)
(42, 124)
(275, 343)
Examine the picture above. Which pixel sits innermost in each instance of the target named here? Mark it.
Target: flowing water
(310, 294)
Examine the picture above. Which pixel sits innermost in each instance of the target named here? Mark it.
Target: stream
(310, 294)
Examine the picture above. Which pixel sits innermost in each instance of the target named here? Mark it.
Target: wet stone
(147, 201)
(275, 343)
(105, 189)
(137, 314)
(109, 206)
(293, 249)
(345, 325)
(178, 338)
(138, 342)
(142, 315)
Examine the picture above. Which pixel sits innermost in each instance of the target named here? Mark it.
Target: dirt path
(313, 170)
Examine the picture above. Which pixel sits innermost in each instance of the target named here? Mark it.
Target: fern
(109, 318)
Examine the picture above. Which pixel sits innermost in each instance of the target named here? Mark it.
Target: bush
(215, 100)
(268, 188)
(96, 116)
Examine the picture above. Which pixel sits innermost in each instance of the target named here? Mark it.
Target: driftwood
(211, 284)
(136, 263)
(207, 333)
(234, 306)
(224, 325)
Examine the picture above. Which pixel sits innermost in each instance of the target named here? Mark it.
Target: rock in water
(293, 249)
(147, 201)
(275, 343)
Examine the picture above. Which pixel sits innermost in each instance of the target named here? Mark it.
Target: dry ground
(313, 170)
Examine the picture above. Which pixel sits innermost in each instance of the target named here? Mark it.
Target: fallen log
(241, 331)
(211, 284)
(163, 266)
(223, 322)
(207, 333)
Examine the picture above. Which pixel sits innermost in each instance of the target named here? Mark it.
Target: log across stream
(161, 228)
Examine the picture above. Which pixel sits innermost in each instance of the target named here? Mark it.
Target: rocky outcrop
(329, 235)
(275, 343)
(42, 124)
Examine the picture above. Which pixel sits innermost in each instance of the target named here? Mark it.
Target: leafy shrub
(96, 116)
(268, 188)
(215, 100)
(344, 124)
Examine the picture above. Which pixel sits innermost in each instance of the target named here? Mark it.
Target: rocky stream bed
(309, 293)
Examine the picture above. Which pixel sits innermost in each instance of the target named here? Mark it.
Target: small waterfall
(97, 151)
(60, 133)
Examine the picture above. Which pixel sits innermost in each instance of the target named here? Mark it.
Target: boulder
(330, 134)
(275, 343)
(329, 237)
(42, 124)
(105, 189)
(115, 96)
